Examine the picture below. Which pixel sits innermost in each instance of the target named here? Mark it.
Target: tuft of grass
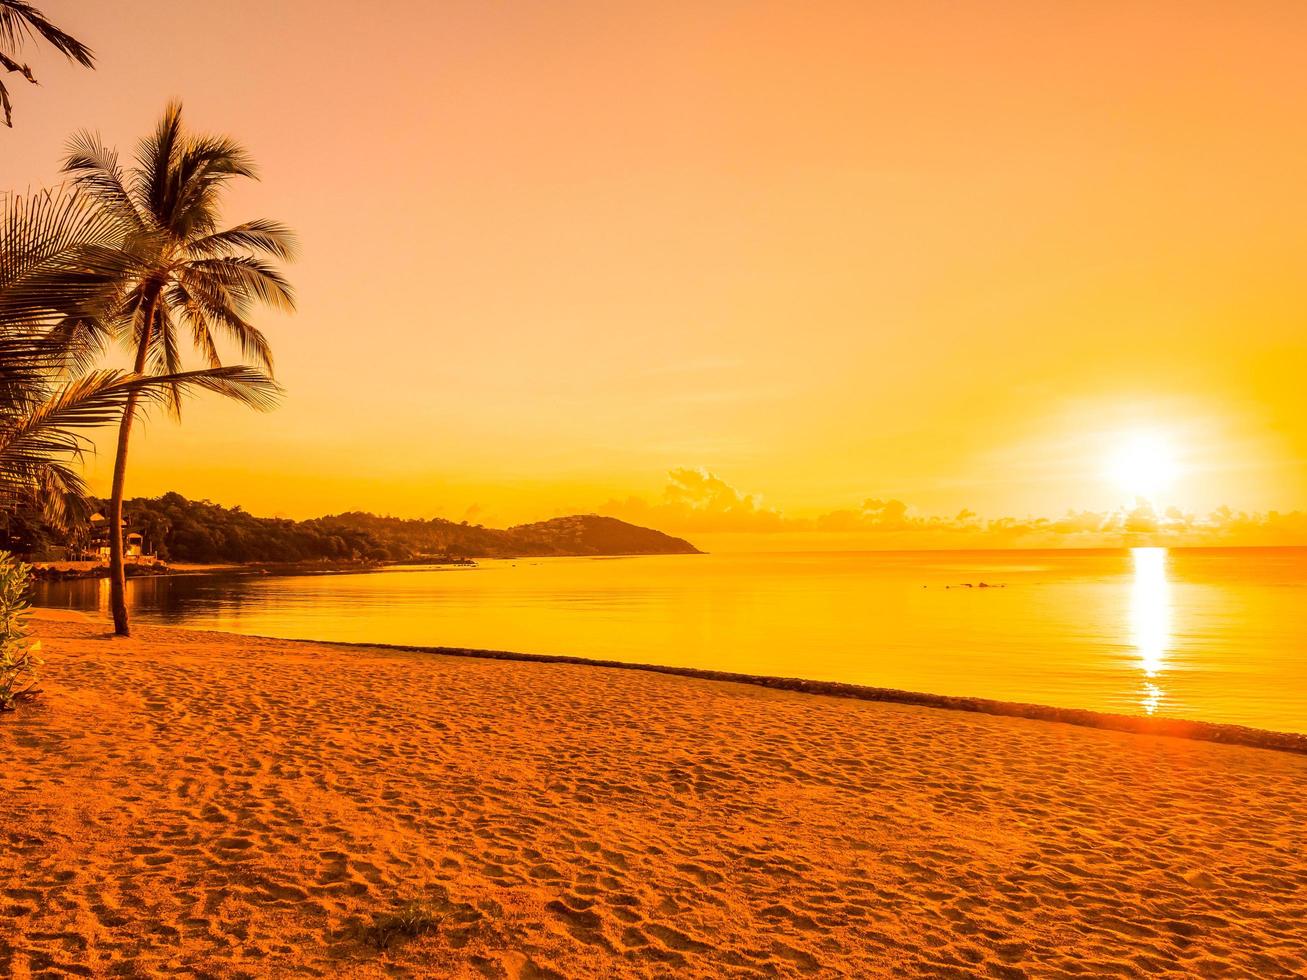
(408, 921)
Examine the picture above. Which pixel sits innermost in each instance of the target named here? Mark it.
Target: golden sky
(555, 253)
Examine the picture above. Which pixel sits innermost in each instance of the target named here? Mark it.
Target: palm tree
(58, 258)
(182, 270)
(20, 22)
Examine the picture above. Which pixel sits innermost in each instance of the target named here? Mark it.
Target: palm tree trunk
(117, 565)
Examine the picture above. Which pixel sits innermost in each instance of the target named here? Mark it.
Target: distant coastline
(174, 530)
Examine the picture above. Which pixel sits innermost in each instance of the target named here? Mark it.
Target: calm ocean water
(1218, 635)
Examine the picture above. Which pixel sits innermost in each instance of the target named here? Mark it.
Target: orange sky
(950, 254)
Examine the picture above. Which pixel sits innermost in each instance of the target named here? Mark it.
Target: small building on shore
(97, 545)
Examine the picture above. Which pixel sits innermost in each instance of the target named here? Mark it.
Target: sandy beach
(199, 804)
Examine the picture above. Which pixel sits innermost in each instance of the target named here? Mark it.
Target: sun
(1143, 464)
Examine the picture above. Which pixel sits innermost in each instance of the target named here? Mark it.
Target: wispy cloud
(697, 500)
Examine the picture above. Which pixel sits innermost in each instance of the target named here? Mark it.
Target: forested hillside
(181, 530)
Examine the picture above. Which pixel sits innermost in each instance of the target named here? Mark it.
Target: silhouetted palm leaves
(42, 413)
(185, 273)
(61, 259)
(20, 23)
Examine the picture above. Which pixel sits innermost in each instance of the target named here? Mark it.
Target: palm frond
(202, 166)
(95, 168)
(62, 258)
(26, 363)
(238, 382)
(260, 235)
(9, 65)
(246, 274)
(48, 431)
(20, 21)
(6, 105)
(83, 340)
(196, 316)
(163, 358)
(61, 494)
(49, 224)
(207, 307)
(153, 184)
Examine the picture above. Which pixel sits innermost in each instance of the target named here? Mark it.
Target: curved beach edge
(1204, 731)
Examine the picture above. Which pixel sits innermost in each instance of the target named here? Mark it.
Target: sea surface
(1212, 634)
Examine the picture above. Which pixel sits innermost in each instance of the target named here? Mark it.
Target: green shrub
(18, 660)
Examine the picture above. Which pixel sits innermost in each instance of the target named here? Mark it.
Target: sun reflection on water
(1150, 620)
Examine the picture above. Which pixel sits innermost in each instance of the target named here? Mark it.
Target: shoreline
(1194, 730)
(53, 573)
(192, 801)
(1223, 733)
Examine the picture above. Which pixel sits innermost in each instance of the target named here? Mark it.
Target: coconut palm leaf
(41, 424)
(101, 176)
(260, 235)
(20, 23)
(61, 262)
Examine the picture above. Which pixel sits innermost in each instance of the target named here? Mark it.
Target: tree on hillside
(183, 271)
(20, 23)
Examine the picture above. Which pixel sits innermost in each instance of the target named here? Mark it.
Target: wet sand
(200, 804)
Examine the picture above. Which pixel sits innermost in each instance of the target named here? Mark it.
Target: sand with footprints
(198, 804)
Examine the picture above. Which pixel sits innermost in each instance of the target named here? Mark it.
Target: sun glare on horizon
(1143, 464)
